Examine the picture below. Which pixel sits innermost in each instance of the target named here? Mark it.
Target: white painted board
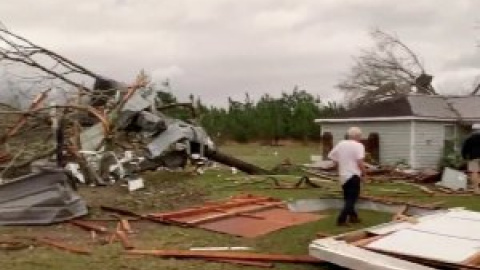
(427, 245)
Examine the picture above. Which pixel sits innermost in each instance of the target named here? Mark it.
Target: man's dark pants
(351, 192)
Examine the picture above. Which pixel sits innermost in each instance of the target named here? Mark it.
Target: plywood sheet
(247, 216)
(268, 221)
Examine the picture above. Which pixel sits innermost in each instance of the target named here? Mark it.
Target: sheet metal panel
(39, 198)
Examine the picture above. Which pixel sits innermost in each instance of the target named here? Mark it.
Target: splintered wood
(248, 256)
(61, 245)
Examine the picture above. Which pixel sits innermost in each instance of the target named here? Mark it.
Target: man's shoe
(342, 224)
(355, 220)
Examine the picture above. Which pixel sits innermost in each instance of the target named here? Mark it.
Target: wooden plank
(88, 226)
(228, 255)
(233, 213)
(353, 236)
(122, 236)
(243, 262)
(125, 225)
(63, 246)
(366, 241)
(131, 214)
(210, 208)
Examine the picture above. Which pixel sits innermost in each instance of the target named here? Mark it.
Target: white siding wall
(394, 137)
(429, 139)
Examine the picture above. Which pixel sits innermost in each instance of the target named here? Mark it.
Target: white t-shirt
(347, 153)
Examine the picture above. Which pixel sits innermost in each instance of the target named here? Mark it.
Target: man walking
(471, 153)
(348, 155)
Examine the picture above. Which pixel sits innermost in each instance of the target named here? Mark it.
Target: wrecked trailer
(165, 141)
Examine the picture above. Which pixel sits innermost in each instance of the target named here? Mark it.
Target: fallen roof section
(39, 198)
(346, 255)
(421, 240)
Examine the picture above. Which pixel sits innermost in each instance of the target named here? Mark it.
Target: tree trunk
(234, 162)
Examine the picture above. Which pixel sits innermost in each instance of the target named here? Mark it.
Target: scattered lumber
(243, 262)
(122, 236)
(63, 246)
(131, 214)
(248, 256)
(86, 225)
(125, 226)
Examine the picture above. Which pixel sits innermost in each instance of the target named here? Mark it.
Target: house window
(449, 138)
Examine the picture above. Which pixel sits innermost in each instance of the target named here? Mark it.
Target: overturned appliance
(43, 197)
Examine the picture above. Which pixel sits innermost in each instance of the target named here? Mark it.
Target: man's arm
(333, 155)
(362, 167)
(360, 160)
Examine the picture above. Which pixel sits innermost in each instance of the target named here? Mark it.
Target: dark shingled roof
(466, 108)
(387, 108)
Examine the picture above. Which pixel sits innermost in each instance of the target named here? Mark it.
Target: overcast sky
(220, 48)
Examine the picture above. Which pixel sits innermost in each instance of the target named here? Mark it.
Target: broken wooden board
(247, 256)
(61, 245)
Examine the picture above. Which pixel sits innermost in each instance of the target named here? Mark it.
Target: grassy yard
(166, 191)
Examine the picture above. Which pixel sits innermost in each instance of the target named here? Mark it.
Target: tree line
(268, 119)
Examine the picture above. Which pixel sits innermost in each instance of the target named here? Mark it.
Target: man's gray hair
(354, 132)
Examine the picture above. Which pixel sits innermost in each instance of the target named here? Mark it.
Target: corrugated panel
(394, 137)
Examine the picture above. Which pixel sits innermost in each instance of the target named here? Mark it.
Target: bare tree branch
(17, 49)
(388, 69)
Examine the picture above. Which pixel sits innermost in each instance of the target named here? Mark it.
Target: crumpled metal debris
(167, 141)
(43, 197)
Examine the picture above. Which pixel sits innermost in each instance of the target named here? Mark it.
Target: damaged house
(414, 129)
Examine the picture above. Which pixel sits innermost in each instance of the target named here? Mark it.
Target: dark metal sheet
(39, 198)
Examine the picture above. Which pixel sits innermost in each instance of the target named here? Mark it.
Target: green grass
(167, 191)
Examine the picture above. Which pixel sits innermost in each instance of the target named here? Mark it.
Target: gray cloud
(221, 48)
